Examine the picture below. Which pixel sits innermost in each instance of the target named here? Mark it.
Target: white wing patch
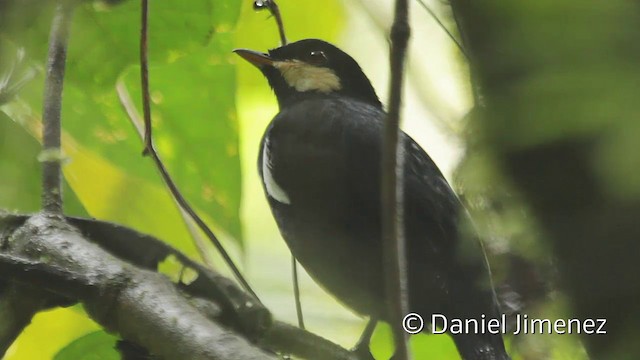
(273, 189)
(306, 77)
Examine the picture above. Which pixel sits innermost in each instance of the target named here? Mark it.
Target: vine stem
(273, 8)
(296, 292)
(149, 150)
(394, 246)
(441, 25)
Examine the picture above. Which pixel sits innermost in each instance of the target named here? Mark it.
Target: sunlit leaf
(94, 346)
(108, 192)
(20, 187)
(49, 332)
(196, 131)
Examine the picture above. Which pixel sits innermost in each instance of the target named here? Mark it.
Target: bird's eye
(317, 58)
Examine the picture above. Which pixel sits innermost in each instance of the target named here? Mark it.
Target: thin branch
(442, 118)
(150, 150)
(51, 156)
(444, 28)
(129, 107)
(296, 291)
(275, 12)
(466, 43)
(392, 186)
(144, 77)
(362, 346)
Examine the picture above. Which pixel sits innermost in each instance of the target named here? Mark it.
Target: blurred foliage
(560, 82)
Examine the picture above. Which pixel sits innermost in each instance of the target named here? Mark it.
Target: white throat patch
(273, 189)
(305, 77)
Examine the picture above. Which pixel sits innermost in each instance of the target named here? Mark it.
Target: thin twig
(150, 150)
(51, 156)
(275, 12)
(296, 291)
(444, 28)
(392, 186)
(464, 36)
(144, 78)
(442, 119)
(129, 107)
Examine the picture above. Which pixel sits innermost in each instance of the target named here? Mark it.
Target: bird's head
(311, 67)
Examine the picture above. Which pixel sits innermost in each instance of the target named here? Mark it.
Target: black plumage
(320, 161)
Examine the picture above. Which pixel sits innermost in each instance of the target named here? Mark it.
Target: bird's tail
(480, 347)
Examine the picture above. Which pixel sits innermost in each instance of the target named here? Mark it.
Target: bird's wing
(343, 139)
(431, 207)
(439, 233)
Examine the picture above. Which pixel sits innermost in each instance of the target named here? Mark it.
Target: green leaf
(50, 331)
(422, 346)
(109, 192)
(20, 186)
(94, 346)
(198, 146)
(106, 39)
(193, 88)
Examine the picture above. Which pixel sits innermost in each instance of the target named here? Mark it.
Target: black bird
(320, 164)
